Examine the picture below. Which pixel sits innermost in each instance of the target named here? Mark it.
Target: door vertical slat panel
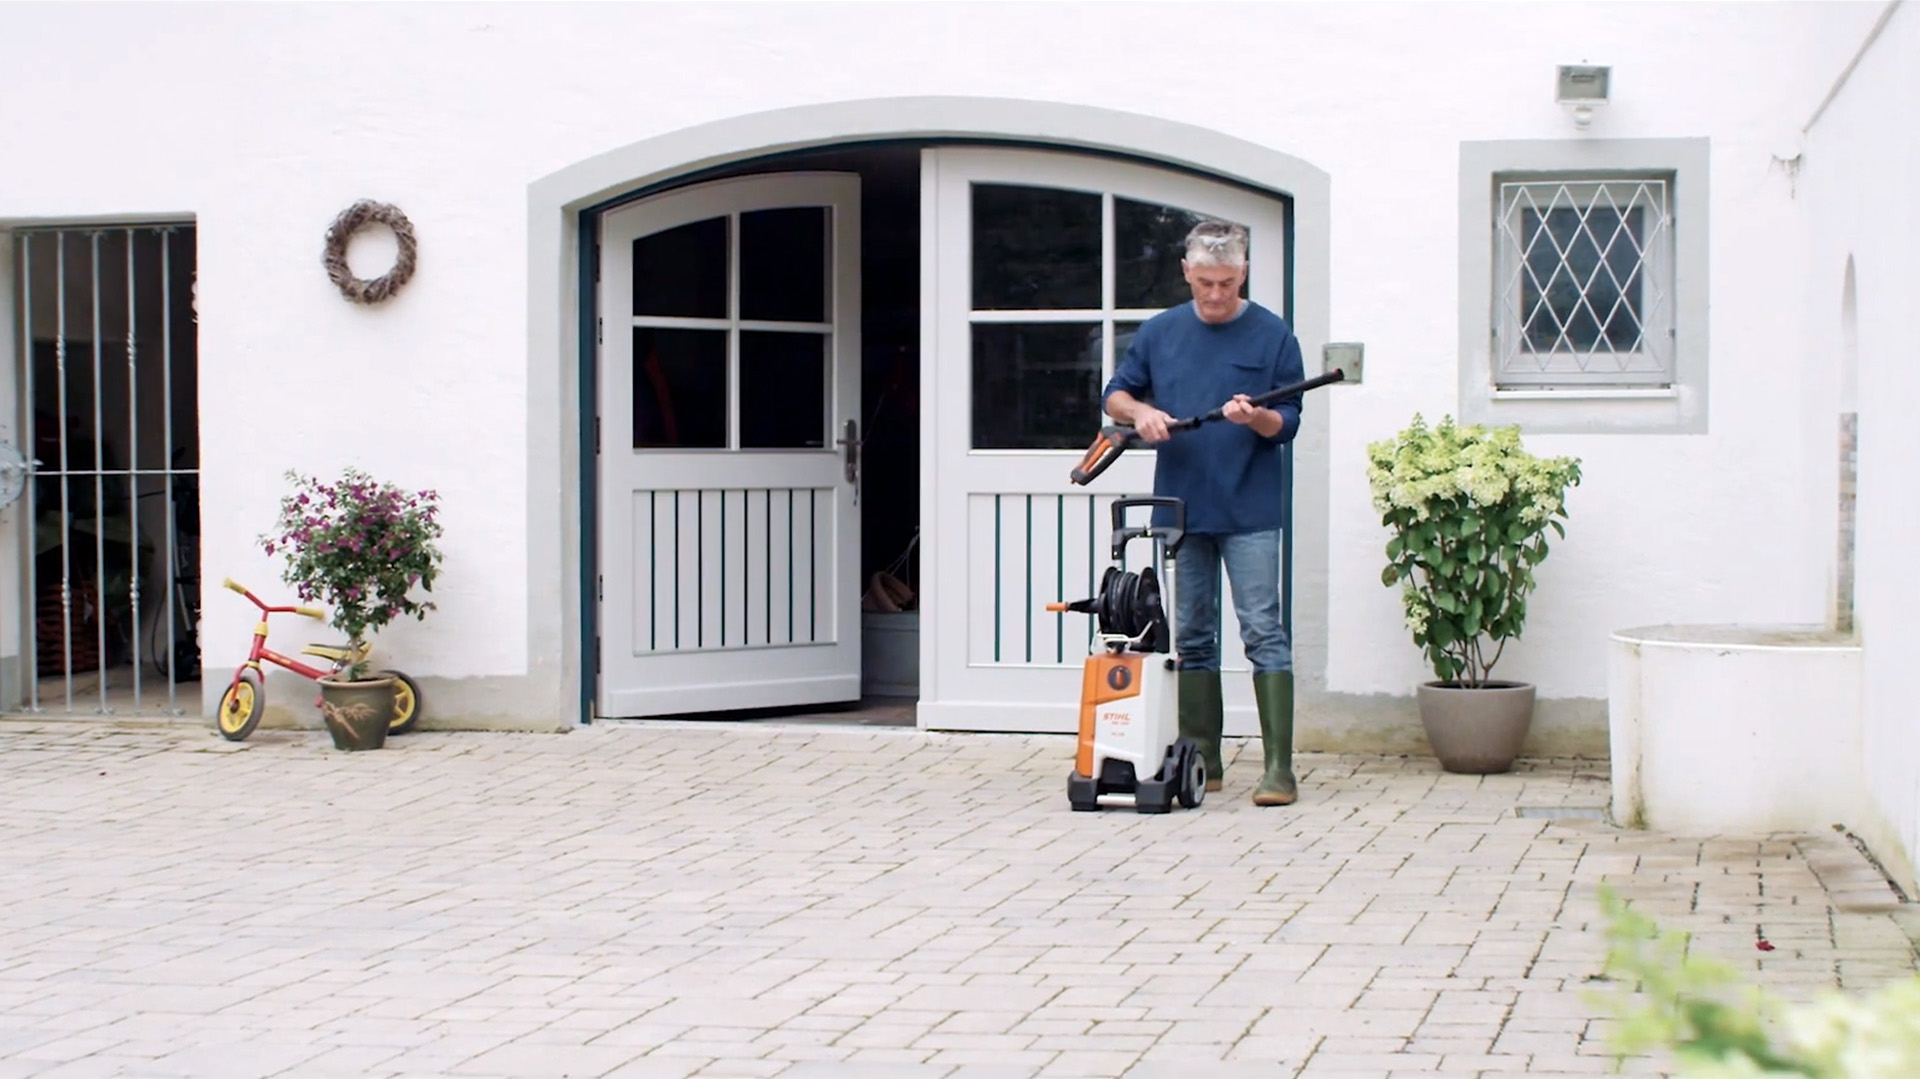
(1031, 549)
(724, 550)
(30, 652)
(766, 563)
(174, 599)
(731, 568)
(66, 486)
(645, 599)
(1059, 619)
(133, 487)
(683, 583)
(818, 553)
(780, 562)
(750, 556)
(738, 592)
(980, 588)
(99, 480)
(703, 571)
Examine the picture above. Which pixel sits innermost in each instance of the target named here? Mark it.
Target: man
(1217, 352)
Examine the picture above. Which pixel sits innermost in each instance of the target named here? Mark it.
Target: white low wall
(1735, 729)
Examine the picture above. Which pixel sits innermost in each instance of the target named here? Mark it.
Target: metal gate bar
(174, 647)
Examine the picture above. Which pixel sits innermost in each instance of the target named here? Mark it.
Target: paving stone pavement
(800, 900)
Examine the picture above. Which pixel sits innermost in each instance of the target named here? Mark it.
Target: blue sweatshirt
(1229, 475)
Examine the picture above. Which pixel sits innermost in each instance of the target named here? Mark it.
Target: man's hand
(1146, 419)
(1151, 423)
(1243, 411)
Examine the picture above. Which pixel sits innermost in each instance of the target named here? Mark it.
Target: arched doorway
(1115, 159)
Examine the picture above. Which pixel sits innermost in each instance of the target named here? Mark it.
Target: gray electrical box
(1345, 356)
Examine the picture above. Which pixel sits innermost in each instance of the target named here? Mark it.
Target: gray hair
(1217, 243)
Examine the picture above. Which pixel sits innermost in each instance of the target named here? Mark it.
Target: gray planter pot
(1476, 731)
(357, 714)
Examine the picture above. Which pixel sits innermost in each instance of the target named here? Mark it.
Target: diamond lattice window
(1584, 289)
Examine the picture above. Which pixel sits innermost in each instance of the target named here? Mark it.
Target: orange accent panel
(1096, 688)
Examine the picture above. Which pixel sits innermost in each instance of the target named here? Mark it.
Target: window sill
(1596, 393)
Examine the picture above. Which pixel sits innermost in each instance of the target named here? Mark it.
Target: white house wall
(263, 121)
(1861, 164)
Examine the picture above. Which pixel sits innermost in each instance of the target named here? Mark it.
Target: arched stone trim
(553, 483)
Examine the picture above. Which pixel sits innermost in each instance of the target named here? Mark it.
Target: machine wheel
(1193, 776)
(1082, 794)
(241, 706)
(406, 701)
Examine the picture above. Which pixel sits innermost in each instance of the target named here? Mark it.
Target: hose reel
(1130, 606)
(1129, 603)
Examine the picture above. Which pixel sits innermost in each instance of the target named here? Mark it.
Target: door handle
(851, 442)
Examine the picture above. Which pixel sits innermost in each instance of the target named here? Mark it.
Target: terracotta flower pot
(357, 714)
(1476, 731)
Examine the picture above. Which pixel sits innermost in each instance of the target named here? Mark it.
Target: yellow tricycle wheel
(406, 702)
(240, 707)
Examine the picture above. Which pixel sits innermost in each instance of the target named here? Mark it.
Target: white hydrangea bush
(1469, 508)
(1695, 1011)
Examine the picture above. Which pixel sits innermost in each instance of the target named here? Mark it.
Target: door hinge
(596, 654)
(600, 587)
(596, 435)
(599, 331)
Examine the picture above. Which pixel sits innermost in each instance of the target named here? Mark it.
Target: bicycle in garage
(246, 699)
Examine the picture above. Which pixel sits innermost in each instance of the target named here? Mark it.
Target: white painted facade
(1859, 290)
(492, 125)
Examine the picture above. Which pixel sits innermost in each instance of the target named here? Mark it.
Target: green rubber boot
(1273, 696)
(1201, 718)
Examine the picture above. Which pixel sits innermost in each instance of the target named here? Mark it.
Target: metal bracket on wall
(13, 474)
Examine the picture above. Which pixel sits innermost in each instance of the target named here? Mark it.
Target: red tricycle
(245, 700)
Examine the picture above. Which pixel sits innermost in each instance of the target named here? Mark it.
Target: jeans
(1253, 570)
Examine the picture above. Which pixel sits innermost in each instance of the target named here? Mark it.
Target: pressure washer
(1130, 749)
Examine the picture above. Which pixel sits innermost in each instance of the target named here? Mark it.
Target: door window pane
(1035, 248)
(682, 272)
(783, 390)
(1122, 338)
(1036, 387)
(679, 388)
(1149, 242)
(783, 264)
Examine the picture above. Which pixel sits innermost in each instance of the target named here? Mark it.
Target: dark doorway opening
(109, 380)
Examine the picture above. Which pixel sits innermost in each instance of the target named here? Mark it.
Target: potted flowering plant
(361, 547)
(1469, 509)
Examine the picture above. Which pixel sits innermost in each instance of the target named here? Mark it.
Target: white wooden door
(1037, 266)
(729, 377)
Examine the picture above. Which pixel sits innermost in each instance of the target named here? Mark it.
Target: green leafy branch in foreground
(1697, 1011)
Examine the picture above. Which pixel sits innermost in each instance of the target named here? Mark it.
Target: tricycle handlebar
(314, 613)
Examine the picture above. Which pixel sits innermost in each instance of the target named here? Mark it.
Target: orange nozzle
(1107, 447)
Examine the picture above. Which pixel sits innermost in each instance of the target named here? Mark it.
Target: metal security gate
(108, 523)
